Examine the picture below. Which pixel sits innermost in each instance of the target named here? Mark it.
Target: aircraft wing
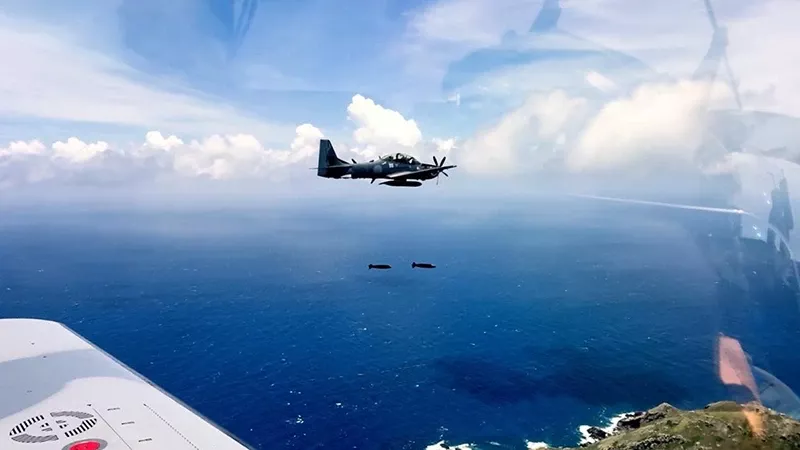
(60, 392)
(413, 173)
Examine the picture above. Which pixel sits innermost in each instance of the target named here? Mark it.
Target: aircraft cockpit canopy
(399, 157)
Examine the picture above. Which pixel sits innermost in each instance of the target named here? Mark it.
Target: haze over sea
(269, 323)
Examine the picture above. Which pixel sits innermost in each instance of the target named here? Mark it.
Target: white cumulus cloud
(34, 147)
(305, 144)
(657, 124)
(155, 140)
(238, 156)
(77, 151)
(516, 140)
(221, 157)
(218, 157)
(381, 130)
(381, 126)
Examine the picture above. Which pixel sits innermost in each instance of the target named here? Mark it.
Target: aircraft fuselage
(382, 170)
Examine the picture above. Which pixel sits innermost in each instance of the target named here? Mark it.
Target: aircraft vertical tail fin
(327, 158)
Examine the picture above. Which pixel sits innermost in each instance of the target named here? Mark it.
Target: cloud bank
(218, 157)
(658, 125)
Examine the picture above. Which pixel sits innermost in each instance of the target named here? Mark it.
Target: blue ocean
(537, 319)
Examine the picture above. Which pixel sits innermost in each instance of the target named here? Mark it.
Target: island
(722, 425)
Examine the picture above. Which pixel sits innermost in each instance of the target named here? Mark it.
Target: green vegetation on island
(723, 425)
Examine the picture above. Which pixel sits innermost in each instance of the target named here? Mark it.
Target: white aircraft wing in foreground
(60, 392)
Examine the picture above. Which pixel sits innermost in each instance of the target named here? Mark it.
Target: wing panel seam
(170, 425)
(112, 428)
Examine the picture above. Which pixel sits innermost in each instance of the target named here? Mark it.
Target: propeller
(354, 160)
(440, 164)
(734, 83)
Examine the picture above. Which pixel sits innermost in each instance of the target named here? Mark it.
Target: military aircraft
(398, 169)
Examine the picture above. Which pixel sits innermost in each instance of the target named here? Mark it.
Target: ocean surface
(537, 319)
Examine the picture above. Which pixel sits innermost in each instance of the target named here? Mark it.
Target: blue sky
(466, 78)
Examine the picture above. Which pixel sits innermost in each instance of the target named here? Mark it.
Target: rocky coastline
(722, 425)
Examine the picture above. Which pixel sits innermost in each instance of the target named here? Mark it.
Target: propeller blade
(445, 174)
(354, 160)
(443, 159)
(373, 180)
(435, 163)
(734, 84)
